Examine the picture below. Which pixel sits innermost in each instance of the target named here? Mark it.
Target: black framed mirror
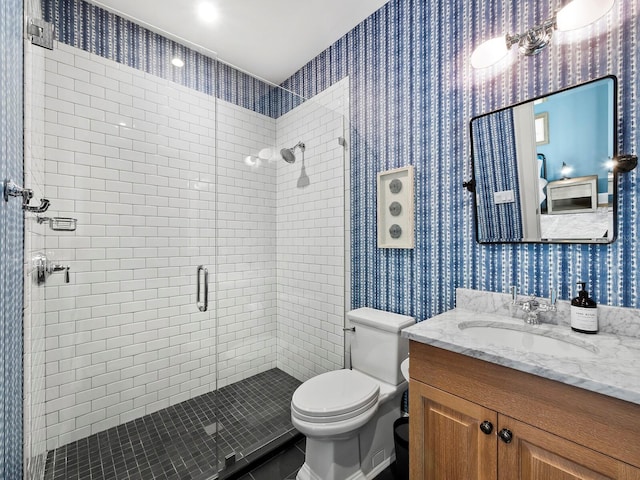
(544, 170)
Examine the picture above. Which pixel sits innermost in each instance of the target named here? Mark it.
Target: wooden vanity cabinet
(448, 428)
(462, 410)
(535, 455)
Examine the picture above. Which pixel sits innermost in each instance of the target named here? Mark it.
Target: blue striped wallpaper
(413, 93)
(11, 246)
(412, 96)
(103, 33)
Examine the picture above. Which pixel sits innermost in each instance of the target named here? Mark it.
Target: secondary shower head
(288, 154)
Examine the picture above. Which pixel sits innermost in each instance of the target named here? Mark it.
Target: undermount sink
(528, 339)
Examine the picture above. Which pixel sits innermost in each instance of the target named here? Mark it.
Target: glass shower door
(281, 260)
(129, 349)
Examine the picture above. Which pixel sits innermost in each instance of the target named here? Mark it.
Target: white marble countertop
(610, 364)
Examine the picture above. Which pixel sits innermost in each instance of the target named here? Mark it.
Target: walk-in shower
(122, 364)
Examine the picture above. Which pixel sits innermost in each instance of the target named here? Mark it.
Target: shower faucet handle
(59, 268)
(44, 267)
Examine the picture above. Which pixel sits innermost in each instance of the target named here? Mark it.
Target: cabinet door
(446, 440)
(534, 454)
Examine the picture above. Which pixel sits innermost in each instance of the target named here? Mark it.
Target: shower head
(288, 154)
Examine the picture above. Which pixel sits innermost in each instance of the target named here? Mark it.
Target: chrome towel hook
(43, 207)
(13, 190)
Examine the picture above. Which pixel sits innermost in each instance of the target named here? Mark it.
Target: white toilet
(347, 415)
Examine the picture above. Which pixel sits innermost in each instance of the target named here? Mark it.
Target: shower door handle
(202, 306)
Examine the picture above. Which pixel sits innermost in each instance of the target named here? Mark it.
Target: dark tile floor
(285, 466)
(178, 442)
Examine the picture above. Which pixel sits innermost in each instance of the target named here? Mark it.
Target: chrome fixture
(204, 305)
(288, 154)
(574, 15)
(43, 207)
(534, 40)
(65, 224)
(533, 307)
(44, 267)
(40, 32)
(13, 190)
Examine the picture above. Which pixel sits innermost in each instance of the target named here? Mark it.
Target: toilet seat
(334, 397)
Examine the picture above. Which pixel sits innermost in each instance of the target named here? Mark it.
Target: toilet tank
(377, 348)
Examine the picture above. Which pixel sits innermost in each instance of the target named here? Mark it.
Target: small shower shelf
(64, 224)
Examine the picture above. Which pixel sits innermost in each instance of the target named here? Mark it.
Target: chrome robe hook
(13, 190)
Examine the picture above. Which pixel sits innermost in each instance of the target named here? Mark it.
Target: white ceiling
(268, 38)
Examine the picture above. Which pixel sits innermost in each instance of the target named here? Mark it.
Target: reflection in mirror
(543, 169)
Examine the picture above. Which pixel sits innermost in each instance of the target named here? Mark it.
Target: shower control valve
(44, 267)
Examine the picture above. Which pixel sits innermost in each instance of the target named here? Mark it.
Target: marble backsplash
(614, 320)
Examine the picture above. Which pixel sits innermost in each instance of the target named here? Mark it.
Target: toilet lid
(335, 393)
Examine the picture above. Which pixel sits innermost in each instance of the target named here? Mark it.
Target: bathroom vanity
(521, 409)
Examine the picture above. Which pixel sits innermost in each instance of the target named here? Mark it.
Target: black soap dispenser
(584, 312)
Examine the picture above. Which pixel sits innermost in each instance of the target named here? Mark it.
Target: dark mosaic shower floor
(173, 443)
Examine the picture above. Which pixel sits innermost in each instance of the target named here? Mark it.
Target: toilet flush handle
(349, 329)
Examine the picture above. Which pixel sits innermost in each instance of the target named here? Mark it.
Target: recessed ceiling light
(177, 62)
(207, 12)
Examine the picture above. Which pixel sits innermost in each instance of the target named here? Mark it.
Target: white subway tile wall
(133, 158)
(311, 236)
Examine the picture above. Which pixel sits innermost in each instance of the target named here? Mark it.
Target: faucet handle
(514, 294)
(54, 267)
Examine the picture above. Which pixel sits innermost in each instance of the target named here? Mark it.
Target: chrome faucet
(532, 306)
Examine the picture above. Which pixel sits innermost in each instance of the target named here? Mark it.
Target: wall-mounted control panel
(395, 208)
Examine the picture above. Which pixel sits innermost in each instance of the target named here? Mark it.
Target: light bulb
(489, 53)
(580, 13)
(207, 12)
(177, 62)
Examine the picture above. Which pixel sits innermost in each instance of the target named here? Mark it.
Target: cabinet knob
(486, 427)
(505, 435)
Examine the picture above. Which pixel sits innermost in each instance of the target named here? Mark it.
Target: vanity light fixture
(576, 14)
(625, 163)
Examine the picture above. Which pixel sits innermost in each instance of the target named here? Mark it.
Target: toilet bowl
(334, 403)
(347, 415)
